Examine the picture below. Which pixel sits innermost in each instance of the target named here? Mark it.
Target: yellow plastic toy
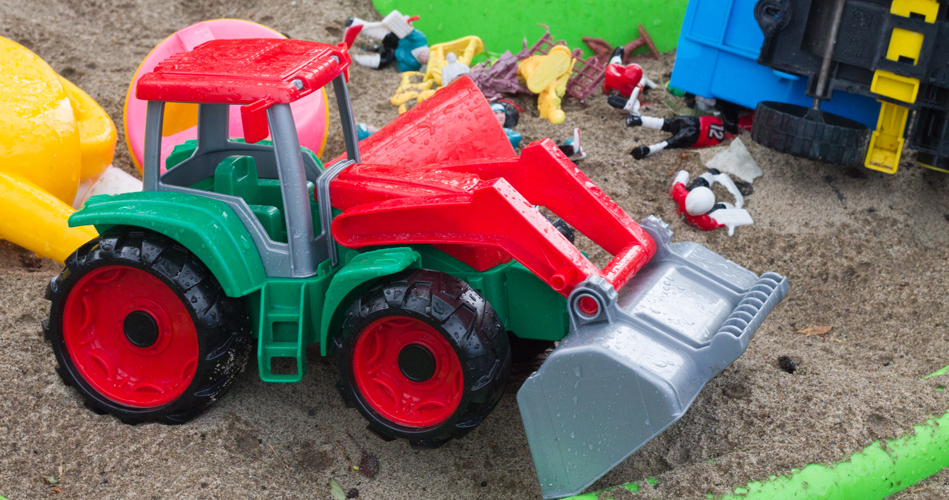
(465, 48)
(546, 76)
(413, 85)
(55, 141)
(886, 144)
(416, 86)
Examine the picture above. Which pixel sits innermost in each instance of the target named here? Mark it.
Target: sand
(866, 253)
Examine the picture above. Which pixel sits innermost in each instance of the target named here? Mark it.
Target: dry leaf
(815, 330)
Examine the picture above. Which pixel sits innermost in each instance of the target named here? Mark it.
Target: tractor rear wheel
(423, 357)
(811, 134)
(143, 330)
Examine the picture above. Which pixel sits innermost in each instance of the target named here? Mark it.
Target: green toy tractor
(419, 260)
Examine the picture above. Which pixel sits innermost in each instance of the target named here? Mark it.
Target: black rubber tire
(221, 322)
(463, 317)
(786, 128)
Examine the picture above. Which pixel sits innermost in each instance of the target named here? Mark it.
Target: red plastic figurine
(696, 202)
(625, 81)
(687, 132)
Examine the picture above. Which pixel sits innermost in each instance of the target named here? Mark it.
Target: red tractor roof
(244, 71)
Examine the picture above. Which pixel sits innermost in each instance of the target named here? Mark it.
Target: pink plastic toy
(311, 113)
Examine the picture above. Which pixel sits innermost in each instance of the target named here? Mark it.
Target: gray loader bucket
(629, 371)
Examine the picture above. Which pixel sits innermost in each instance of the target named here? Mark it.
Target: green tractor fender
(361, 269)
(206, 227)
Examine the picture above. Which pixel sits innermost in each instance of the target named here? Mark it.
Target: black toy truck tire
(785, 128)
(222, 323)
(462, 317)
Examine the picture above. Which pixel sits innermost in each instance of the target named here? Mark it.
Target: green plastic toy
(504, 25)
(419, 260)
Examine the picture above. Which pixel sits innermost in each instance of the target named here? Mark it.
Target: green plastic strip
(503, 24)
(941, 371)
(872, 474)
(605, 494)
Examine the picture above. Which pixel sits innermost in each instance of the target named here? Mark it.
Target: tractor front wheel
(423, 357)
(143, 330)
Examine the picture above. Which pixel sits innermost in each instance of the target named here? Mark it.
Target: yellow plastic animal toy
(55, 143)
(546, 76)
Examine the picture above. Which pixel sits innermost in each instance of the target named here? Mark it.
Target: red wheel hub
(130, 336)
(407, 371)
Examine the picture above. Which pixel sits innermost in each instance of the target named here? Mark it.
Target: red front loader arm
(491, 204)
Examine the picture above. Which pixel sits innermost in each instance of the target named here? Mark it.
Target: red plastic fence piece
(587, 76)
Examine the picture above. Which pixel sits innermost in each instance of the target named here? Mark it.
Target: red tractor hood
(455, 124)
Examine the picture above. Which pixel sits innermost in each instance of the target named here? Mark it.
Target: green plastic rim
(872, 474)
(502, 24)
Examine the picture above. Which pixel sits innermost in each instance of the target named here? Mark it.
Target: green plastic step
(282, 323)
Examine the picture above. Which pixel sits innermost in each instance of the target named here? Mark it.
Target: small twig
(345, 453)
(278, 456)
(355, 442)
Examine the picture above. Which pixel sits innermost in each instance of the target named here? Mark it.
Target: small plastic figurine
(572, 148)
(401, 43)
(625, 80)
(547, 76)
(507, 115)
(696, 202)
(687, 132)
(453, 69)
(364, 130)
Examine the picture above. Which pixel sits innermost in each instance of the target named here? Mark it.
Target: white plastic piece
(655, 148)
(649, 83)
(632, 105)
(421, 54)
(398, 24)
(652, 122)
(453, 69)
(113, 181)
(368, 60)
(578, 153)
(682, 177)
(732, 218)
(705, 104)
(371, 29)
(736, 160)
(729, 184)
(699, 200)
